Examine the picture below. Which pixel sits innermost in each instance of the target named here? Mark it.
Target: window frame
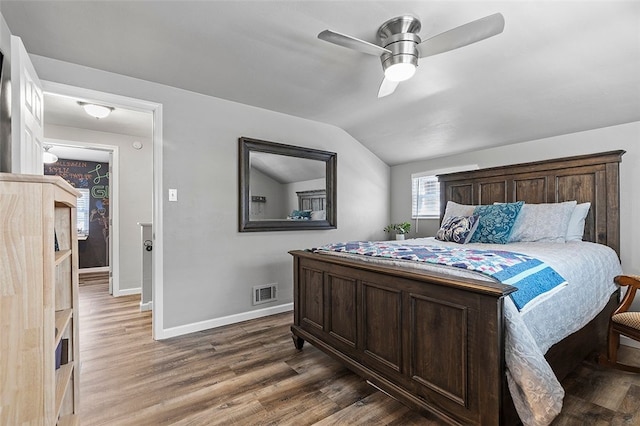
(419, 199)
(435, 173)
(83, 212)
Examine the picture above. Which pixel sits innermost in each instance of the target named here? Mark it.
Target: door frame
(114, 206)
(158, 247)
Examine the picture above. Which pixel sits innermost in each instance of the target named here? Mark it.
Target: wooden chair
(623, 322)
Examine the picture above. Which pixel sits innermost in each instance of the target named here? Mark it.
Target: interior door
(27, 119)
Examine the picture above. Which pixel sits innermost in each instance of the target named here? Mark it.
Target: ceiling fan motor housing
(399, 35)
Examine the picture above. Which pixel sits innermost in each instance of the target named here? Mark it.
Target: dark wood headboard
(594, 178)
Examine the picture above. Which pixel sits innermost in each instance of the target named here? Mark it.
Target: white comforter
(589, 270)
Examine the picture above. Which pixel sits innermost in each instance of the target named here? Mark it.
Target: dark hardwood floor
(251, 374)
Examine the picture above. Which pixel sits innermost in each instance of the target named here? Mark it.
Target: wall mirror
(285, 187)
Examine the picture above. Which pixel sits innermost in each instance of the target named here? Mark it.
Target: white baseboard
(219, 322)
(92, 270)
(629, 342)
(127, 292)
(146, 306)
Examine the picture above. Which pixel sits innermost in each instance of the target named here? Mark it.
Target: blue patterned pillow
(301, 214)
(458, 229)
(496, 222)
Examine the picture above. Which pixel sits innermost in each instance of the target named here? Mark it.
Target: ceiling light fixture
(48, 157)
(400, 71)
(97, 111)
(399, 37)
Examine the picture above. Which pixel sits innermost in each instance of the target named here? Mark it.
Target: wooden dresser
(38, 301)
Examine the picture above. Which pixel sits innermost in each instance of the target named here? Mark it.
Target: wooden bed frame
(436, 342)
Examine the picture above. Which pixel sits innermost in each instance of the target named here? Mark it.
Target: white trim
(128, 292)
(157, 320)
(156, 109)
(93, 270)
(146, 306)
(91, 95)
(114, 242)
(114, 195)
(445, 171)
(230, 319)
(624, 340)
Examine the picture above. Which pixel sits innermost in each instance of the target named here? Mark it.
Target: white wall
(136, 192)
(274, 192)
(305, 185)
(626, 137)
(209, 267)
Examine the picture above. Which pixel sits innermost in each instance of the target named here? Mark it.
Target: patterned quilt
(533, 279)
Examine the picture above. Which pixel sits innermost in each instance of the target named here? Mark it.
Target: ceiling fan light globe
(400, 71)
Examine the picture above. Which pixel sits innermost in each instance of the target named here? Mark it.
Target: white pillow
(455, 209)
(319, 215)
(543, 222)
(575, 230)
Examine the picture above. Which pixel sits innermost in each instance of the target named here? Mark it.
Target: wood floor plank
(251, 374)
(233, 412)
(376, 408)
(594, 385)
(629, 410)
(347, 389)
(578, 412)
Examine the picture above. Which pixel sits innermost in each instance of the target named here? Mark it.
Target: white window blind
(83, 212)
(425, 197)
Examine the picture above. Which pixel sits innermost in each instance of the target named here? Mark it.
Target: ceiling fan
(399, 45)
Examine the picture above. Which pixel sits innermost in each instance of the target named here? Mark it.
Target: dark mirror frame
(248, 145)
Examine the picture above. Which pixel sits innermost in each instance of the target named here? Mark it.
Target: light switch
(173, 195)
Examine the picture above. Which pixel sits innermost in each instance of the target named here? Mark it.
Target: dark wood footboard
(433, 342)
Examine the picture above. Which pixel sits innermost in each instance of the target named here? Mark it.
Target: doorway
(152, 145)
(93, 169)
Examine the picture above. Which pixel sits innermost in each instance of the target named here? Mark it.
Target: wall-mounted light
(97, 111)
(48, 157)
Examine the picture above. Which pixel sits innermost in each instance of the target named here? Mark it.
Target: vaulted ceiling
(559, 66)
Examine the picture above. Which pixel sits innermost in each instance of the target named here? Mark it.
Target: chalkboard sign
(91, 178)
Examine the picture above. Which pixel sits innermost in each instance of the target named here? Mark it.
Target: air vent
(264, 293)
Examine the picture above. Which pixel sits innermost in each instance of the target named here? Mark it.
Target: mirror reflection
(284, 187)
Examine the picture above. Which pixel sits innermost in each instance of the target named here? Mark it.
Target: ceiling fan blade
(352, 43)
(463, 35)
(387, 87)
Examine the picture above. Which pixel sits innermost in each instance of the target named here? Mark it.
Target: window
(83, 213)
(425, 196)
(425, 191)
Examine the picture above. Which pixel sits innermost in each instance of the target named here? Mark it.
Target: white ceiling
(76, 153)
(558, 67)
(284, 169)
(65, 111)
